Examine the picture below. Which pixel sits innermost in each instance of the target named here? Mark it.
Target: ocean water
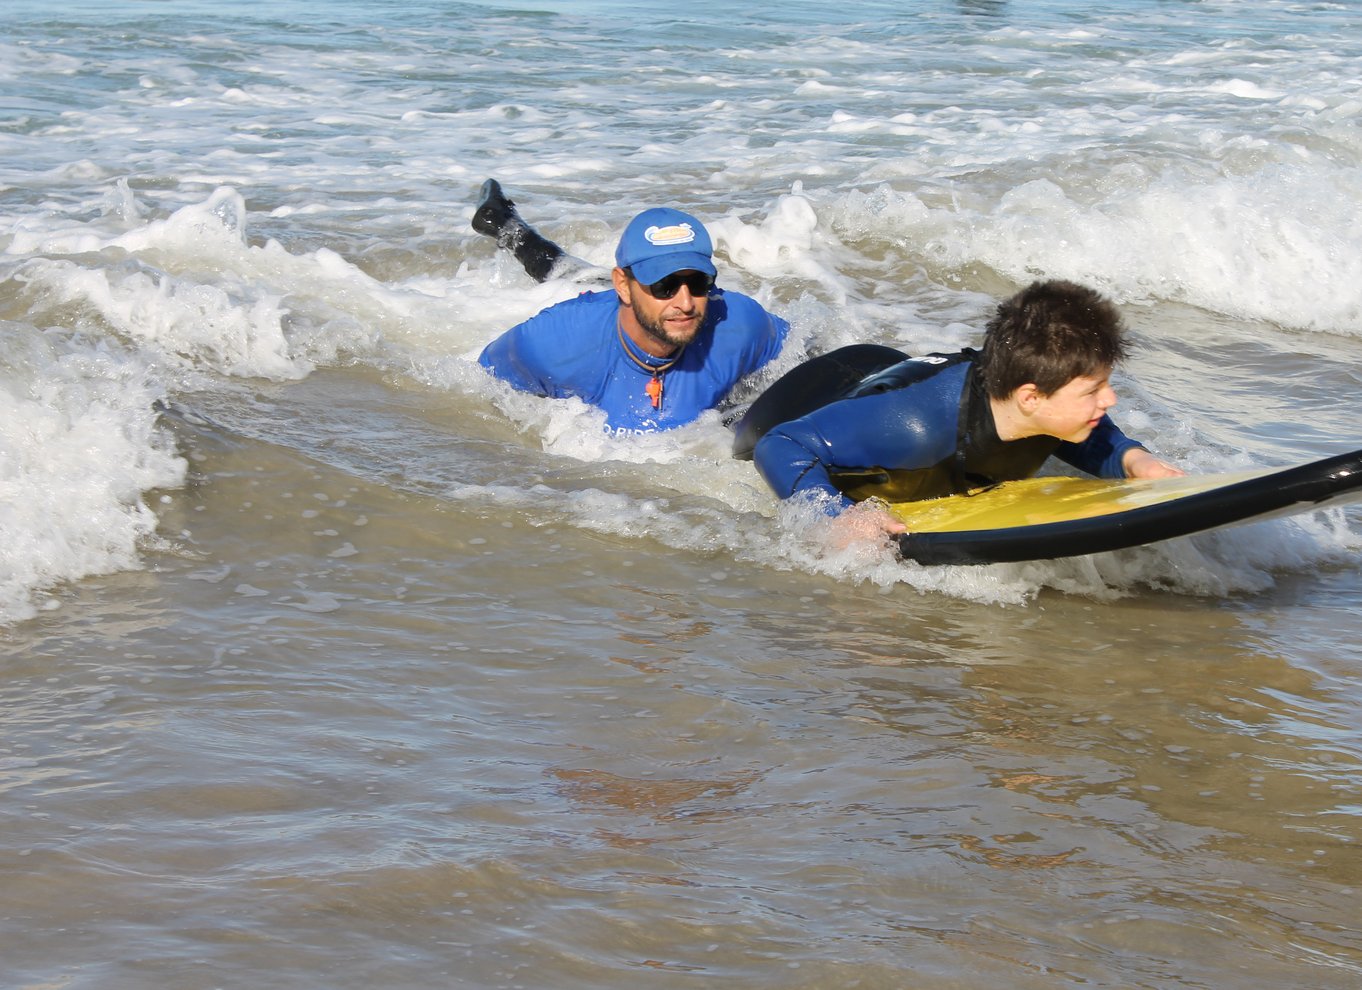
(327, 661)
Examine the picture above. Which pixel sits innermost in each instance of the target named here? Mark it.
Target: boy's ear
(1027, 396)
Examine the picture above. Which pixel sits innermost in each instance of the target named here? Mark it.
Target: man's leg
(496, 216)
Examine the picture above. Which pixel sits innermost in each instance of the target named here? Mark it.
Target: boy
(935, 426)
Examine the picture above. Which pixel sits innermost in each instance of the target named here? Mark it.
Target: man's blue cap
(660, 241)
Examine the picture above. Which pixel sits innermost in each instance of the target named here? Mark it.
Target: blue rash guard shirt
(931, 438)
(574, 349)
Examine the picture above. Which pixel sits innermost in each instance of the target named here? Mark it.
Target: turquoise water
(359, 669)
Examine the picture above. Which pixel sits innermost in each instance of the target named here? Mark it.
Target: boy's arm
(793, 458)
(1140, 463)
(1109, 453)
(902, 429)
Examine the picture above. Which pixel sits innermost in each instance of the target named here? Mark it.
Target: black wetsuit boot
(496, 217)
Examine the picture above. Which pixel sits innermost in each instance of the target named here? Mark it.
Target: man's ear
(622, 287)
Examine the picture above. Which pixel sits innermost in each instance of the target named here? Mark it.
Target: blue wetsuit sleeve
(775, 339)
(1101, 453)
(904, 429)
(793, 459)
(758, 335)
(514, 358)
(572, 350)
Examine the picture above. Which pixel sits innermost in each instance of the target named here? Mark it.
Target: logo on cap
(677, 233)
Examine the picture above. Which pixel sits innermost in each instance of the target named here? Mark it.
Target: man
(928, 427)
(657, 348)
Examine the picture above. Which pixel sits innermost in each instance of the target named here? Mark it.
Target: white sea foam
(79, 449)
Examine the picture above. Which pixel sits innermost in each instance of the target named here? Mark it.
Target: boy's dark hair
(1049, 334)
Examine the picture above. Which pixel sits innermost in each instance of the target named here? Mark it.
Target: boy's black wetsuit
(921, 428)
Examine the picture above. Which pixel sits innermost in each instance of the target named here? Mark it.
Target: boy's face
(1071, 412)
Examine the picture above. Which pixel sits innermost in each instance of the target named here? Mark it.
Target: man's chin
(680, 337)
(669, 336)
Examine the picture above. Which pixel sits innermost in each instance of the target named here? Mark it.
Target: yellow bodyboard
(1037, 501)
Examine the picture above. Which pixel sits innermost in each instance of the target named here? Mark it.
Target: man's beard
(656, 331)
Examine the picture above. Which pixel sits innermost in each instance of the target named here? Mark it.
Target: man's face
(675, 319)
(1071, 412)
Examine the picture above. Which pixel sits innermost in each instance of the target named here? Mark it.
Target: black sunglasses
(698, 283)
